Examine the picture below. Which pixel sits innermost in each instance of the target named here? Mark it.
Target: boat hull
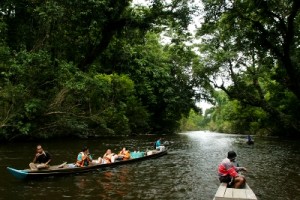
(55, 171)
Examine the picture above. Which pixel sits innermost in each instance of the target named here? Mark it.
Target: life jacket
(83, 162)
(107, 157)
(126, 154)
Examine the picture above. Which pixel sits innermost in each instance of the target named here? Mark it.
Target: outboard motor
(164, 146)
(166, 143)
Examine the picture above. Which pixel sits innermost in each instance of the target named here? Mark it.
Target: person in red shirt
(228, 172)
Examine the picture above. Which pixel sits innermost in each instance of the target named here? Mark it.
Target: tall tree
(65, 67)
(252, 47)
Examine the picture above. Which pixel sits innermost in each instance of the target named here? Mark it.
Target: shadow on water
(187, 172)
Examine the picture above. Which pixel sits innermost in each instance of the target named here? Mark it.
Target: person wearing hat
(228, 172)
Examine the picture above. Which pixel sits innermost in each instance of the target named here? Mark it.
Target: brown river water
(189, 171)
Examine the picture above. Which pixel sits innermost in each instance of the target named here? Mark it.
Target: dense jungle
(74, 68)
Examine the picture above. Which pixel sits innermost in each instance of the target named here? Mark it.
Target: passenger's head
(231, 155)
(39, 148)
(108, 151)
(124, 149)
(85, 149)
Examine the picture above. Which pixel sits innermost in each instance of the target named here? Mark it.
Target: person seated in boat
(41, 159)
(109, 157)
(250, 140)
(84, 158)
(228, 172)
(124, 154)
(158, 145)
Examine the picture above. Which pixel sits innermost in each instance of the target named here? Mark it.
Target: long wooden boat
(65, 169)
(225, 193)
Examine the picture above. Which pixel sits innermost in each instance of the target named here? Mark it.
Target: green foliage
(159, 74)
(249, 52)
(193, 122)
(230, 116)
(93, 67)
(100, 102)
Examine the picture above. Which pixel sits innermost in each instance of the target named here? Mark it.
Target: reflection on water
(187, 172)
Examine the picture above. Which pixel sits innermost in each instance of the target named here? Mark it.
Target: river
(187, 172)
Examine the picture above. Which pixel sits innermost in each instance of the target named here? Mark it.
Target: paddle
(62, 165)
